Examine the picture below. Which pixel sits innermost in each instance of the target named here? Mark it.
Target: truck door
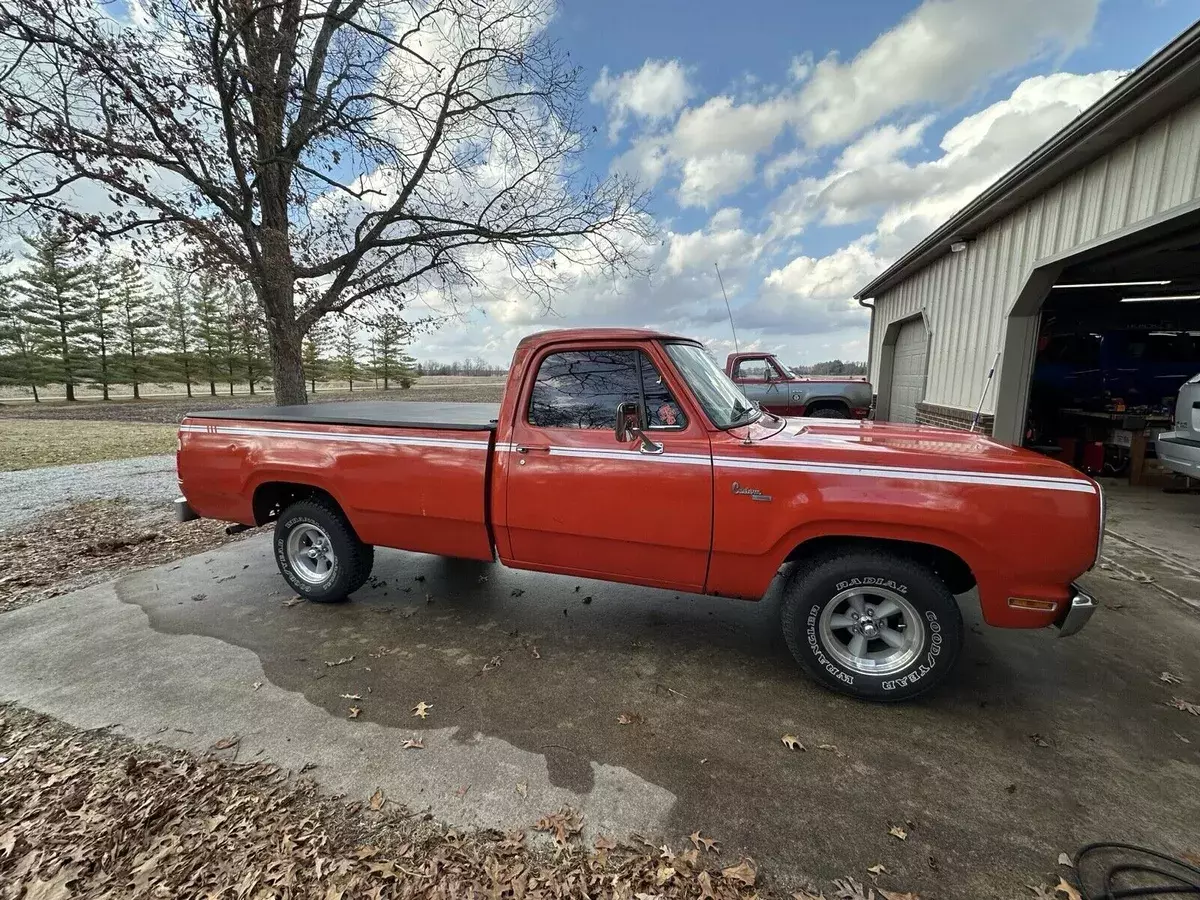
(579, 501)
(761, 380)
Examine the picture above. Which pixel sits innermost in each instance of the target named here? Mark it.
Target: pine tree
(54, 306)
(19, 365)
(139, 325)
(251, 331)
(392, 363)
(181, 329)
(347, 350)
(207, 312)
(316, 345)
(102, 319)
(228, 342)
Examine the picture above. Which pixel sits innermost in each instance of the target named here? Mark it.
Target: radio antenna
(721, 281)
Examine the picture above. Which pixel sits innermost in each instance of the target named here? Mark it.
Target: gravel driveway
(144, 480)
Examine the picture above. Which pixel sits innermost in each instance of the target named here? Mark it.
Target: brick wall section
(952, 417)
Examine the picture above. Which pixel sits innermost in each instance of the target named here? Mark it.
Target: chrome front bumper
(1078, 613)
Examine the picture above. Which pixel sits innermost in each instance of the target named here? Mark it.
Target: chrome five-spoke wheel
(872, 631)
(310, 553)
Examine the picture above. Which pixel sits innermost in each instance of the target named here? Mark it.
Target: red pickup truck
(630, 456)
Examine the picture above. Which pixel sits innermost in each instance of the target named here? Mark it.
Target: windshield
(722, 400)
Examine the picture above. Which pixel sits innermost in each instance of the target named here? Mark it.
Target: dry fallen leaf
(54, 889)
(1040, 892)
(630, 719)
(877, 869)
(1064, 860)
(562, 824)
(493, 663)
(703, 843)
(1170, 678)
(227, 743)
(340, 662)
(1184, 705)
(351, 696)
(897, 832)
(603, 843)
(257, 685)
(706, 886)
(807, 894)
(294, 601)
(523, 789)
(355, 712)
(421, 710)
(851, 889)
(894, 895)
(462, 791)
(1065, 887)
(792, 742)
(664, 874)
(413, 744)
(377, 799)
(1039, 740)
(830, 747)
(745, 872)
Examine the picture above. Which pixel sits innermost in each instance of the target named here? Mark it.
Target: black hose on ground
(1112, 871)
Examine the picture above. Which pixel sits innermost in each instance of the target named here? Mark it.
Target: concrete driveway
(528, 675)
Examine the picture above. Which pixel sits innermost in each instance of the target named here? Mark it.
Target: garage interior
(1118, 337)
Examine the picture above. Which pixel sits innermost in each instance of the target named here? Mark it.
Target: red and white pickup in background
(630, 456)
(777, 389)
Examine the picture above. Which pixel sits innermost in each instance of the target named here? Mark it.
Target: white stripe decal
(336, 436)
(996, 479)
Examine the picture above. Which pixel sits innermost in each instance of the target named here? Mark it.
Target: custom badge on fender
(752, 493)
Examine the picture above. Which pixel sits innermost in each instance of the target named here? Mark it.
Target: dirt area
(169, 410)
(84, 813)
(33, 443)
(91, 542)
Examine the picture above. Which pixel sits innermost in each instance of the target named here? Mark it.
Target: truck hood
(847, 441)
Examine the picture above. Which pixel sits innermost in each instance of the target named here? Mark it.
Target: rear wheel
(872, 624)
(318, 552)
(828, 412)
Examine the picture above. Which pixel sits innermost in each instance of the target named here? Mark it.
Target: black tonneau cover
(373, 413)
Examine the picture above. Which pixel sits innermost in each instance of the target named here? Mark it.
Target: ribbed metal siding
(966, 296)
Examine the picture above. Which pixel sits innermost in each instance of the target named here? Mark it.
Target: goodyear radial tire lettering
(815, 583)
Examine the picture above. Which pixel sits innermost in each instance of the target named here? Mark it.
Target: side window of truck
(582, 388)
(751, 370)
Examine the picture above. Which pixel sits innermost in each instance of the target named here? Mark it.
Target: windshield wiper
(747, 412)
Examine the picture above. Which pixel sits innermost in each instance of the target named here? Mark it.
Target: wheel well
(272, 497)
(827, 403)
(949, 566)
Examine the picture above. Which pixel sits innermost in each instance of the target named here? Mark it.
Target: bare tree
(327, 152)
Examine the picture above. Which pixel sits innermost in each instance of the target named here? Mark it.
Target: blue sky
(804, 145)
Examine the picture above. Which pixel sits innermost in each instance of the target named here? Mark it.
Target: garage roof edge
(1160, 85)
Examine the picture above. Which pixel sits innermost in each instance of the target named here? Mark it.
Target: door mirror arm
(630, 425)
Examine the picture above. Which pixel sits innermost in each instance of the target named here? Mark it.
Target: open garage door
(908, 371)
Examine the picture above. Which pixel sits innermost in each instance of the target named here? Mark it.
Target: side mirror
(630, 424)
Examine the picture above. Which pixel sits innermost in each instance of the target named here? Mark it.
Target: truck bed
(371, 413)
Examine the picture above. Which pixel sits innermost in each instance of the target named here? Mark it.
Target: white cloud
(872, 179)
(706, 179)
(656, 91)
(941, 52)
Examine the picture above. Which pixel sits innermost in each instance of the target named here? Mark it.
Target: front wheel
(318, 552)
(828, 412)
(872, 624)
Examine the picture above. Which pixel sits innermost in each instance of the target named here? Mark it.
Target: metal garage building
(1113, 199)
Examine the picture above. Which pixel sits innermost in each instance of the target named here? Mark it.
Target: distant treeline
(461, 367)
(73, 318)
(832, 367)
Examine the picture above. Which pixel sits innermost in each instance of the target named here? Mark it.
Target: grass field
(168, 410)
(33, 443)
